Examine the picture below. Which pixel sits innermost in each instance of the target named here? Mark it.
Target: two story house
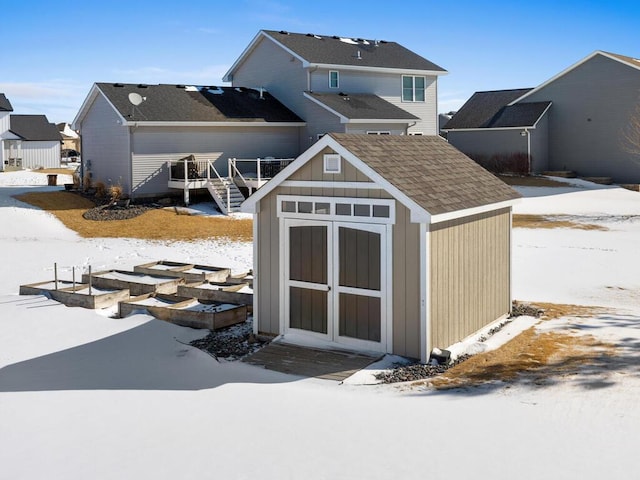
(287, 91)
(342, 85)
(27, 141)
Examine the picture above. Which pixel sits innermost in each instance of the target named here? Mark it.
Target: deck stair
(226, 194)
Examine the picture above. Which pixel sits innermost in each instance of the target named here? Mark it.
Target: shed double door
(335, 280)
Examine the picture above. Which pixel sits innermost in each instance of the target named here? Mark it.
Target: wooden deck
(310, 362)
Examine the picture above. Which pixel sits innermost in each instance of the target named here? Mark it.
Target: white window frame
(337, 79)
(332, 216)
(413, 88)
(417, 134)
(378, 132)
(332, 157)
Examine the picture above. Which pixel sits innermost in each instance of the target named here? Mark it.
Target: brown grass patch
(57, 171)
(531, 181)
(551, 221)
(537, 354)
(541, 355)
(159, 224)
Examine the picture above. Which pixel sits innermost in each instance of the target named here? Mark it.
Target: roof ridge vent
(119, 85)
(283, 32)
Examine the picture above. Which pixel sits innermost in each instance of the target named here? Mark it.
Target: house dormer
(343, 84)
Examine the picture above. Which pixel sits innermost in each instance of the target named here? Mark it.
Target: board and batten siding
(469, 275)
(405, 254)
(105, 144)
(592, 105)
(36, 154)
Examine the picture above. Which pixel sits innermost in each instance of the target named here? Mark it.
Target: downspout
(309, 72)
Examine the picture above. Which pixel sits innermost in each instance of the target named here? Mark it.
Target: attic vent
(331, 163)
(119, 85)
(336, 37)
(359, 55)
(142, 85)
(180, 86)
(360, 40)
(284, 32)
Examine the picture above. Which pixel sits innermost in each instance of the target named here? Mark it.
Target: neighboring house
(394, 244)
(579, 120)
(27, 141)
(338, 84)
(70, 138)
(130, 131)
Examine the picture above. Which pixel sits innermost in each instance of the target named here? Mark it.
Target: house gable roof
(433, 179)
(629, 61)
(34, 128)
(360, 106)
(485, 108)
(5, 105)
(189, 104)
(335, 51)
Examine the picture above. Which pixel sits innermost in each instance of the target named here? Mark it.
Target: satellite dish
(136, 99)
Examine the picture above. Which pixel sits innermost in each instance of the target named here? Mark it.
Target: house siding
(469, 275)
(389, 87)
(105, 145)
(45, 154)
(592, 104)
(484, 144)
(151, 176)
(363, 128)
(404, 254)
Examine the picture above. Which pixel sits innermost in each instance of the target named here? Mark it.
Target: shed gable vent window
(413, 88)
(331, 163)
(334, 79)
(344, 209)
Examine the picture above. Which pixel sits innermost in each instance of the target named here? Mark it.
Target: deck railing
(254, 172)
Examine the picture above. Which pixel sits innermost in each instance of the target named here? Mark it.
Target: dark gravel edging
(107, 212)
(231, 343)
(419, 371)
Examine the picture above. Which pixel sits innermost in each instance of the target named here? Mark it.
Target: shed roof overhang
(418, 213)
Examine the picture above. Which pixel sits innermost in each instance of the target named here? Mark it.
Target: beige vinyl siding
(406, 284)
(470, 265)
(105, 143)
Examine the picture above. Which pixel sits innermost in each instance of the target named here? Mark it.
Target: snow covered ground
(87, 396)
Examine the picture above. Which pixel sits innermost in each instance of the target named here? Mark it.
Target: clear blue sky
(52, 51)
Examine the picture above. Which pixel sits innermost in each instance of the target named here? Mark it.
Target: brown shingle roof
(430, 171)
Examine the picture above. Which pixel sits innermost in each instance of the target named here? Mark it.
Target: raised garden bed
(189, 271)
(76, 295)
(237, 293)
(186, 312)
(137, 283)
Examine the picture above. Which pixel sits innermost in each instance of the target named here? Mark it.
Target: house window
(378, 132)
(331, 163)
(334, 78)
(416, 133)
(413, 88)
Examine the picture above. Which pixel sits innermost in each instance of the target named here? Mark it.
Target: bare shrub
(101, 190)
(115, 192)
(87, 183)
(499, 163)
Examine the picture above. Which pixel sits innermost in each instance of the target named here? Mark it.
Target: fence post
(55, 275)
(89, 280)
(259, 175)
